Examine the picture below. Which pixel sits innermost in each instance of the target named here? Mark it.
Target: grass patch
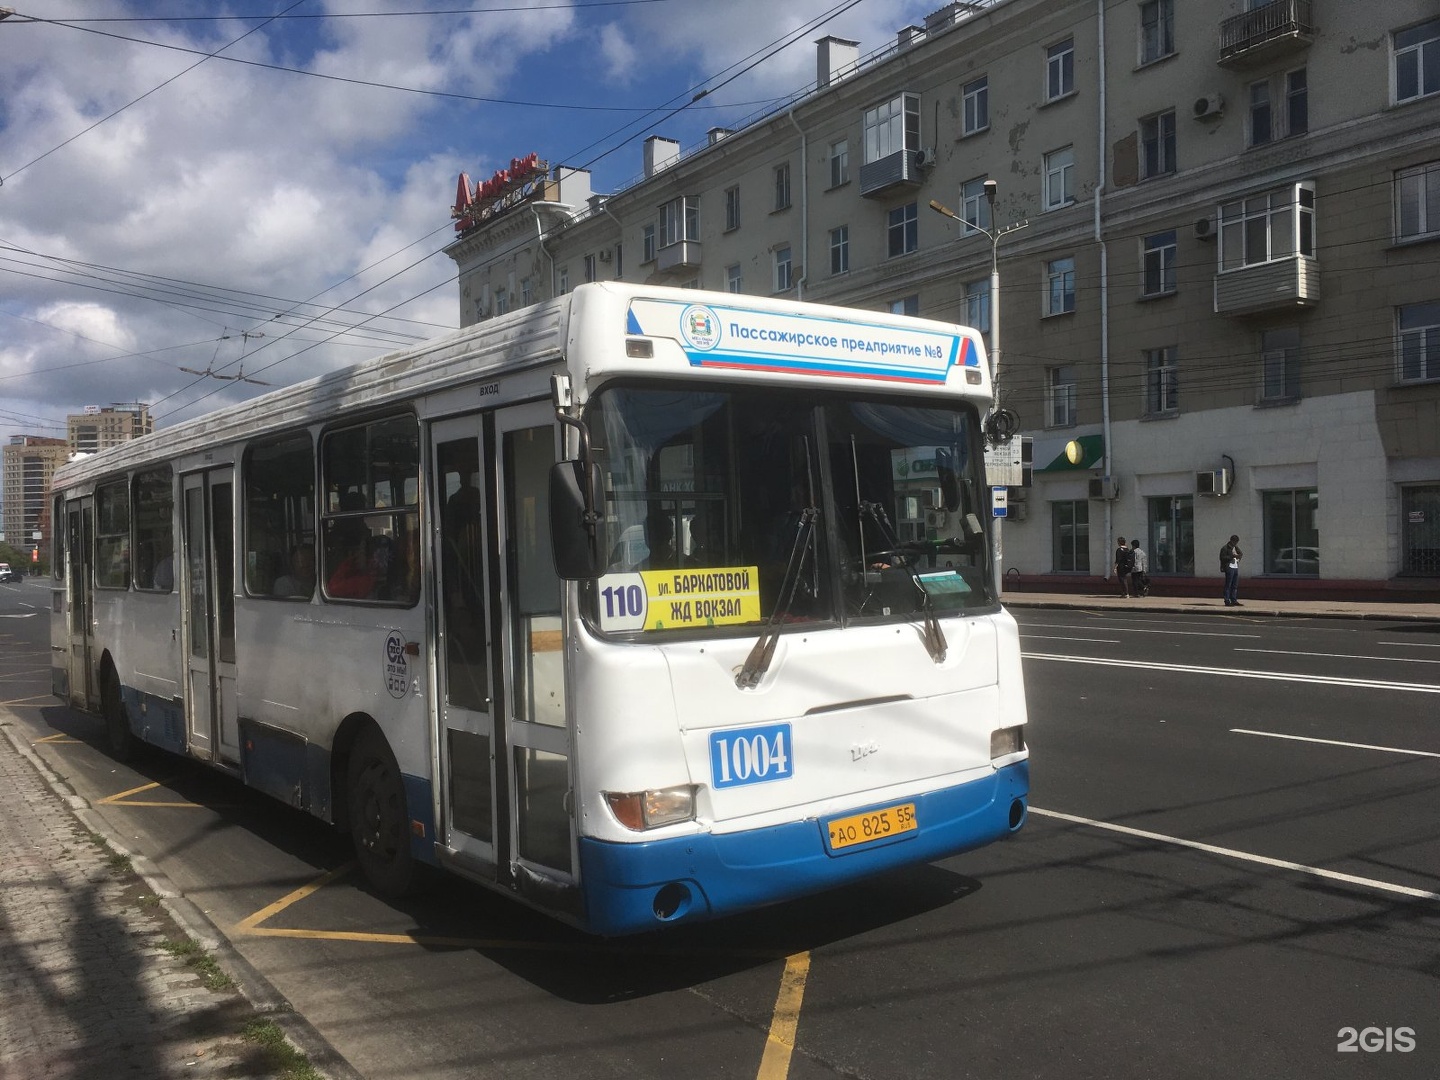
(211, 974)
(284, 1060)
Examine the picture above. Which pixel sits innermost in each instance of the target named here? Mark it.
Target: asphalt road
(1233, 858)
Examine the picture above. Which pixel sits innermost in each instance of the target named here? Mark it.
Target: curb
(257, 991)
(1108, 603)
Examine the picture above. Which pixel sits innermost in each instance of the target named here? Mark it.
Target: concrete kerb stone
(259, 994)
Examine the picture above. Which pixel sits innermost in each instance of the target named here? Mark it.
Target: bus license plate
(892, 821)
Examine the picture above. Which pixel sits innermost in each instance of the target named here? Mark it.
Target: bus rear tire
(119, 739)
(379, 824)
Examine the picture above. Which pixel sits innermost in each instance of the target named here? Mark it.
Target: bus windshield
(736, 506)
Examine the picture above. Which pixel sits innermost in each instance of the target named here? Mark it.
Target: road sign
(999, 501)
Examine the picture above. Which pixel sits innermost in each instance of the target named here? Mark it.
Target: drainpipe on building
(804, 210)
(1109, 458)
(540, 239)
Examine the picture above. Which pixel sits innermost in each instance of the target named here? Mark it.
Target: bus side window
(280, 518)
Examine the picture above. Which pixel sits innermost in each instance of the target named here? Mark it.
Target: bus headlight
(640, 810)
(1006, 741)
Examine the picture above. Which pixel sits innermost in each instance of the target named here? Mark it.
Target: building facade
(28, 462)
(1221, 314)
(100, 427)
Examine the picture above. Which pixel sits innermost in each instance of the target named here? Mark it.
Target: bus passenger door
(208, 614)
(465, 698)
(79, 586)
(539, 785)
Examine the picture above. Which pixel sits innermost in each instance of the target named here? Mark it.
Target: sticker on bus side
(751, 755)
(679, 599)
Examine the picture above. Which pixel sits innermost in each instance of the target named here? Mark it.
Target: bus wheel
(119, 739)
(378, 821)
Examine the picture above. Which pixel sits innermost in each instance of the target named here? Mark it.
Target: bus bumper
(630, 888)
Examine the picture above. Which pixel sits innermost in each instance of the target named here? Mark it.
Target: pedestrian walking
(1124, 564)
(1139, 575)
(1230, 556)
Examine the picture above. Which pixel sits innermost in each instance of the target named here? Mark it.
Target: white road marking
(1070, 637)
(1113, 628)
(1240, 673)
(1339, 656)
(1336, 742)
(1243, 856)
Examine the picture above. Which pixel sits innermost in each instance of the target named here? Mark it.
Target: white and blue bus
(642, 605)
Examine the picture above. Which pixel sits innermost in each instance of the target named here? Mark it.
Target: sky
(224, 188)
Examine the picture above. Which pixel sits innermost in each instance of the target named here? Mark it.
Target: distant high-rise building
(29, 460)
(101, 427)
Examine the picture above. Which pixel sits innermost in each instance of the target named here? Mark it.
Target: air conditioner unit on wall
(1204, 229)
(924, 157)
(1104, 487)
(1207, 107)
(1212, 482)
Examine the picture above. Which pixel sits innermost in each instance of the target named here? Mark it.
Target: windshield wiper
(931, 634)
(763, 651)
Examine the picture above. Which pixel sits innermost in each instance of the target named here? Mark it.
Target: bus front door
(80, 596)
(539, 784)
(207, 594)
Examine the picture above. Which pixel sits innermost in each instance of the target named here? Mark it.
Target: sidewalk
(1192, 605)
(88, 987)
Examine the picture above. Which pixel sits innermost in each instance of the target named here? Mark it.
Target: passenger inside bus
(300, 580)
(353, 577)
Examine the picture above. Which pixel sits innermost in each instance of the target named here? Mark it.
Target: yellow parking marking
(32, 702)
(54, 740)
(123, 799)
(252, 922)
(775, 1063)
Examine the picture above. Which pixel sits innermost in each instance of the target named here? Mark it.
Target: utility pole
(992, 428)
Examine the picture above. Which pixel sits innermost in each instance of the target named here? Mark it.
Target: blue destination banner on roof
(677, 599)
(718, 336)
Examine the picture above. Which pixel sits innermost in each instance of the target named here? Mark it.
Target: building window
(1060, 70)
(1419, 530)
(732, 278)
(1157, 144)
(1419, 341)
(974, 206)
(977, 304)
(1162, 388)
(1292, 532)
(527, 287)
(680, 220)
(732, 208)
(1157, 30)
(1172, 534)
(908, 305)
(1070, 539)
(502, 298)
(1060, 286)
(564, 284)
(892, 127)
(1273, 225)
(1417, 201)
(1417, 61)
(589, 273)
(1060, 405)
(1060, 178)
(647, 244)
(840, 249)
(839, 163)
(1280, 365)
(976, 96)
(782, 186)
(903, 229)
(784, 270)
(1159, 257)
(1267, 122)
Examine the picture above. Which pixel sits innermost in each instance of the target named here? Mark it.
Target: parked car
(1297, 560)
(6, 574)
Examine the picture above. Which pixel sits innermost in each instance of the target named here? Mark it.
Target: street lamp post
(993, 234)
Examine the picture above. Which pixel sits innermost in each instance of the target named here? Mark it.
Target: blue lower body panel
(635, 887)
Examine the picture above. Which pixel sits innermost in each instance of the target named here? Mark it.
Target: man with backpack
(1124, 565)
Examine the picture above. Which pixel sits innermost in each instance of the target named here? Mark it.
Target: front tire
(119, 739)
(379, 824)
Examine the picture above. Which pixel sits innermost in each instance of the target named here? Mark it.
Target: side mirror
(573, 519)
(949, 478)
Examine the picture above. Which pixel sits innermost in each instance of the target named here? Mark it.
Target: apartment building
(100, 427)
(26, 465)
(1221, 314)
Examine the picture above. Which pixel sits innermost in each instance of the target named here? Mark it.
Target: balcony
(881, 177)
(681, 255)
(1266, 33)
(1278, 285)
